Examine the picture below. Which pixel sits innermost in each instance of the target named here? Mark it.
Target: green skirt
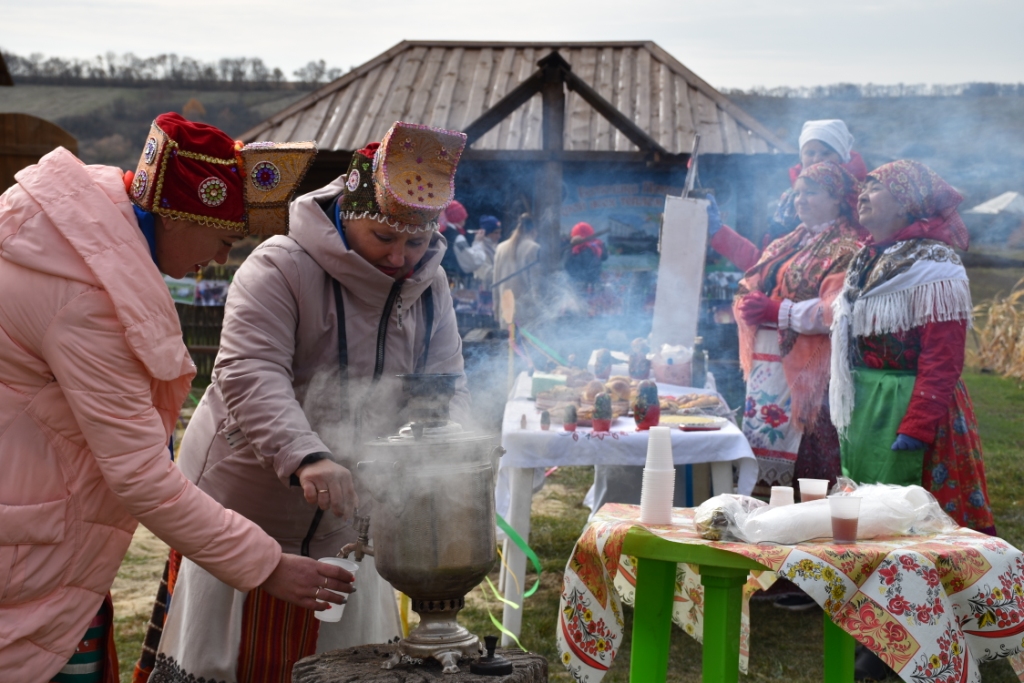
(882, 397)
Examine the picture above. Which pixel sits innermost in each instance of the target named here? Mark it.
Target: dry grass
(999, 334)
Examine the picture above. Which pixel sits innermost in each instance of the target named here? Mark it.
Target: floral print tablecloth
(930, 606)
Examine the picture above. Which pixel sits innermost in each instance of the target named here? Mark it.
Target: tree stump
(362, 664)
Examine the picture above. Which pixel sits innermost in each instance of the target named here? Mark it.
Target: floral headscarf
(930, 201)
(837, 181)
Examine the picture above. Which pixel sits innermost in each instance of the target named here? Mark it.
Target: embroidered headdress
(929, 200)
(406, 180)
(195, 172)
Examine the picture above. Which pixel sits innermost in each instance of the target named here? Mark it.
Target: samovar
(433, 518)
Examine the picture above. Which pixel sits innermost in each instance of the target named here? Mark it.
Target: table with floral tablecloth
(930, 606)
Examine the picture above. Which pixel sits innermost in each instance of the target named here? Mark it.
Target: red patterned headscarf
(837, 181)
(930, 201)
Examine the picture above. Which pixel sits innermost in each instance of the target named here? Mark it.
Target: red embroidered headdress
(195, 172)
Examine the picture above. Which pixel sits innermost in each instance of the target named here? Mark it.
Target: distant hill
(111, 122)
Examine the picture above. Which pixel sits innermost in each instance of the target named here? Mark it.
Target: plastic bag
(716, 518)
(928, 517)
(885, 510)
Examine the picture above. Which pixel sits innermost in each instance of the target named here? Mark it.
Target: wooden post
(548, 194)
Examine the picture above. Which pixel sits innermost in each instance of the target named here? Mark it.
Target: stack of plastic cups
(659, 482)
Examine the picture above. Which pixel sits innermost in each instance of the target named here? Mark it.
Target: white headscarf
(833, 132)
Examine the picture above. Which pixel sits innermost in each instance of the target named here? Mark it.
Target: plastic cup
(845, 513)
(657, 491)
(659, 449)
(812, 489)
(334, 612)
(781, 495)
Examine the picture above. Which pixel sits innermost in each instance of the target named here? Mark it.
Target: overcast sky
(729, 43)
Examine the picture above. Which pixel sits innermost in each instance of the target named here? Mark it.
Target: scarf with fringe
(891, 289)
(803, 265)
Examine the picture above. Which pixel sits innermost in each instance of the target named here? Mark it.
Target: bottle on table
(699, 364)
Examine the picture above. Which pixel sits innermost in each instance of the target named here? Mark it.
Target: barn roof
(450, 84)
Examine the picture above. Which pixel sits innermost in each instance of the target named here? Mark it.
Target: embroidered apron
(766, 417)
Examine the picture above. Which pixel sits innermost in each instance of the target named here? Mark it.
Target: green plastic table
(723, 575)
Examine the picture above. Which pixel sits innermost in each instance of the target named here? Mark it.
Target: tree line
(854, 91)
(169, 69)
(252, 72)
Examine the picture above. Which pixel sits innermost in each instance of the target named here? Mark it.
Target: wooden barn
(595, 131)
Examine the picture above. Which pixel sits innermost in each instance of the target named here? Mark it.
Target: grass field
(784, 645)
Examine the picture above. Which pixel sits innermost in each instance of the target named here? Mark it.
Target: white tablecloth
(622, 445)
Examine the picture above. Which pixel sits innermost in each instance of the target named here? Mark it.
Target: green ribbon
(547, 350)
(498, 625)
(527, 550)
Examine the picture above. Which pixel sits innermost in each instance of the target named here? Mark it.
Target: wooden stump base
(363, 664)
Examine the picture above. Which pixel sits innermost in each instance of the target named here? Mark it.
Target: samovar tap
(361, 547)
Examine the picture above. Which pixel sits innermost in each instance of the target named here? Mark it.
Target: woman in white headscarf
(822, 140)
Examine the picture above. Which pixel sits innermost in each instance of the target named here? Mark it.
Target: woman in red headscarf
(783, 312)
(586, 252)
(898, 346)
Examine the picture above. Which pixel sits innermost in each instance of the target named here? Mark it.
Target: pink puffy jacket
(93, 372)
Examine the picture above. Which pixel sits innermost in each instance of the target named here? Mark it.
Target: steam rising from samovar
(433, 520)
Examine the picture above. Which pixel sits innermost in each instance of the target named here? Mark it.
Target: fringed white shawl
(912, 283)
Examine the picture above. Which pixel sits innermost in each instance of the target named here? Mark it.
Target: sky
(729, 43)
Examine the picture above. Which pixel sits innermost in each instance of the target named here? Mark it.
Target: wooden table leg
(652, 620)
(839, 653)
(723, 604)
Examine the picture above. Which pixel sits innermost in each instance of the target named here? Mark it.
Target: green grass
(784, 645)
(129, 632)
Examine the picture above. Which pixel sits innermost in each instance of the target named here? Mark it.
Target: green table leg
(652, 620)
(839, 652)
(723, 606)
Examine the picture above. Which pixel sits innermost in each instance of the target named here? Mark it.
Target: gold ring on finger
(322, 490)
(325, 581)
(316, 596)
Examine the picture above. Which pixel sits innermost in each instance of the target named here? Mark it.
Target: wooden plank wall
(24, 139)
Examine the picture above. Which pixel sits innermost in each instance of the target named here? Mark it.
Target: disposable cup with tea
(845, 514)
(781, 495)
(334, 612)
(812, 489)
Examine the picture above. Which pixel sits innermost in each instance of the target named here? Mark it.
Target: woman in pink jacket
(93, 372)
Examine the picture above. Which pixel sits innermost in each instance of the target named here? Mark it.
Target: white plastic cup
(781, 495)
(334, 612)
(812, 489)
(845, 514)
(656, 493)
(659, 449)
